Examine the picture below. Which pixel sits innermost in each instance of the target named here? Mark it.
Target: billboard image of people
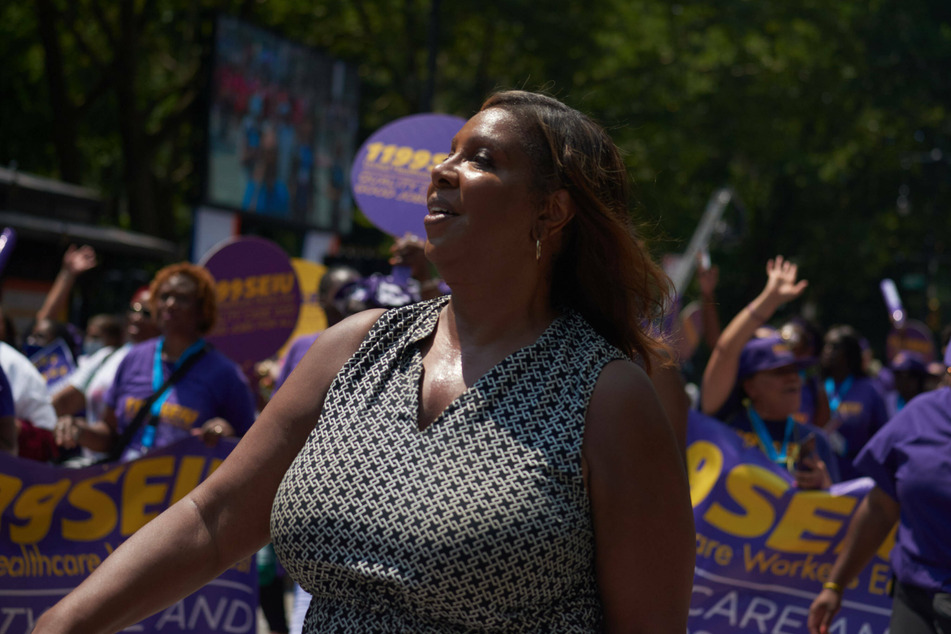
(282, 127)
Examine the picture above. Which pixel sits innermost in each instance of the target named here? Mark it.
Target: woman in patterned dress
(493, 460)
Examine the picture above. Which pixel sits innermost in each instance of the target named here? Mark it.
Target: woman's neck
(483, 315)
(175, 344)
(768, 415)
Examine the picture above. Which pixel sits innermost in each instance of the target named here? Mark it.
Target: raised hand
(781, 284)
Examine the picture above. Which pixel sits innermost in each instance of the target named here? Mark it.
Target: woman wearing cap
(769, 377)
(766, 372)
(490, 460)
(718, 394)
(910, 461)
(910, 377)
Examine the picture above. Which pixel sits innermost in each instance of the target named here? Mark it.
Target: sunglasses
(141, 309)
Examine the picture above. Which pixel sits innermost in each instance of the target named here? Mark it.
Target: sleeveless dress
(479, 523)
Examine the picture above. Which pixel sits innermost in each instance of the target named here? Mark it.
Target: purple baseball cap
(908, 361)
(947, 355)
(768, 353)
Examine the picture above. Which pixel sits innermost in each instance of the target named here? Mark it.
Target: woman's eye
(481, 158)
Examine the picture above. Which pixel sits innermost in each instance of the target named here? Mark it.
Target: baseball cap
(768, 353)
(908, 361)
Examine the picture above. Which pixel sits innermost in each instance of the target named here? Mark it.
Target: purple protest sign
(258, 298)
(391, 172)
(765, 547)
(55, 362)
(58, 525)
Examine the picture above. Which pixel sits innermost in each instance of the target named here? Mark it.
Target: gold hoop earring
(538, 250)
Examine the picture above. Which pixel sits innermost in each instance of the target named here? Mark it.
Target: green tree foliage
(822, 117)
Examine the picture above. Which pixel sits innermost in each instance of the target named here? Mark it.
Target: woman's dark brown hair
(603, 269)
(205, 295)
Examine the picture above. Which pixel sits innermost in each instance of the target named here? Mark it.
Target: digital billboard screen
(281, 129)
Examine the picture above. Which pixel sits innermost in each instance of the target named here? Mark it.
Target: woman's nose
(444, 174)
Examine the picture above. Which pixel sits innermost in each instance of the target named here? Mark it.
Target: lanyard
(158, 372)
(766, 440)
(836, 395)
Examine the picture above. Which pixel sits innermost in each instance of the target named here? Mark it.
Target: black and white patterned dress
(480, 522)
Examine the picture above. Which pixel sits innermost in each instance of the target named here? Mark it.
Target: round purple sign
(258, 298)
(390, 173)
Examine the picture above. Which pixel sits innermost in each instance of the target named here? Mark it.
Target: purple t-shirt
(295, 352)
(910, 460)
(860, 414)
(214, 386)
(777, 429)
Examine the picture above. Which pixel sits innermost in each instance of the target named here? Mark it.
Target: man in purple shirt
(910, 462)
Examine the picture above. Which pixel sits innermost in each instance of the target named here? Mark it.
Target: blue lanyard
(158, 378)
(766, 440)
(836, 395)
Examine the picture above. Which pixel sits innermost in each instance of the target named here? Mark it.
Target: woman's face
(178, 310)
(775, 394)
(480, 201)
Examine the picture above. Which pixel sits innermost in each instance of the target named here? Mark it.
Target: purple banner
(391, 172)
(258, 298)
(55, 363)
(58, 525)
(764, 547)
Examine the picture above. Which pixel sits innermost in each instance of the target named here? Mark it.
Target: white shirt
(31, 399)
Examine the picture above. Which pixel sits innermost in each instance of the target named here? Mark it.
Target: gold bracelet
(832, 585)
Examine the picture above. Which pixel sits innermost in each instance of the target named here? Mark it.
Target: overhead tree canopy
(830, 121)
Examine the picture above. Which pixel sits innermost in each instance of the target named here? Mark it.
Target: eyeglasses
(140, 308)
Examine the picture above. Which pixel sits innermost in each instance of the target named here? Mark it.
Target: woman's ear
(558, 210)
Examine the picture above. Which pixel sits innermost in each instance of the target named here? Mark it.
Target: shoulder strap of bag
(140, 417)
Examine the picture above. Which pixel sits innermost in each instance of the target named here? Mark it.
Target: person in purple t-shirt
(211, 399)
(910, 461)
(856, 407)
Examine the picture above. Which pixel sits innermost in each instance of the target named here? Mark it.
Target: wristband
(831, 585)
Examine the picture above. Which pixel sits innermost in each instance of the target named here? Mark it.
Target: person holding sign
(174, 385)
(494, 459)
(769, 377)
(910, 461)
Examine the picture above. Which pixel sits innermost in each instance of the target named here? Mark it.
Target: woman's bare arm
(223, 520)
(640, 500)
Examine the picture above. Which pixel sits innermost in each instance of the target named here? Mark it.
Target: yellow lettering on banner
(800, 518)
(704, 464)
(9, 487)
(189, 476)
(707, 548)
(222, 290)
(137, 493)
(284, 283)
(36, 504)
(237, 289)
(879, 578)
(103, 515)
(743, 483)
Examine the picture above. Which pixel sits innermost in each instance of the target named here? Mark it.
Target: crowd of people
(500, 448)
